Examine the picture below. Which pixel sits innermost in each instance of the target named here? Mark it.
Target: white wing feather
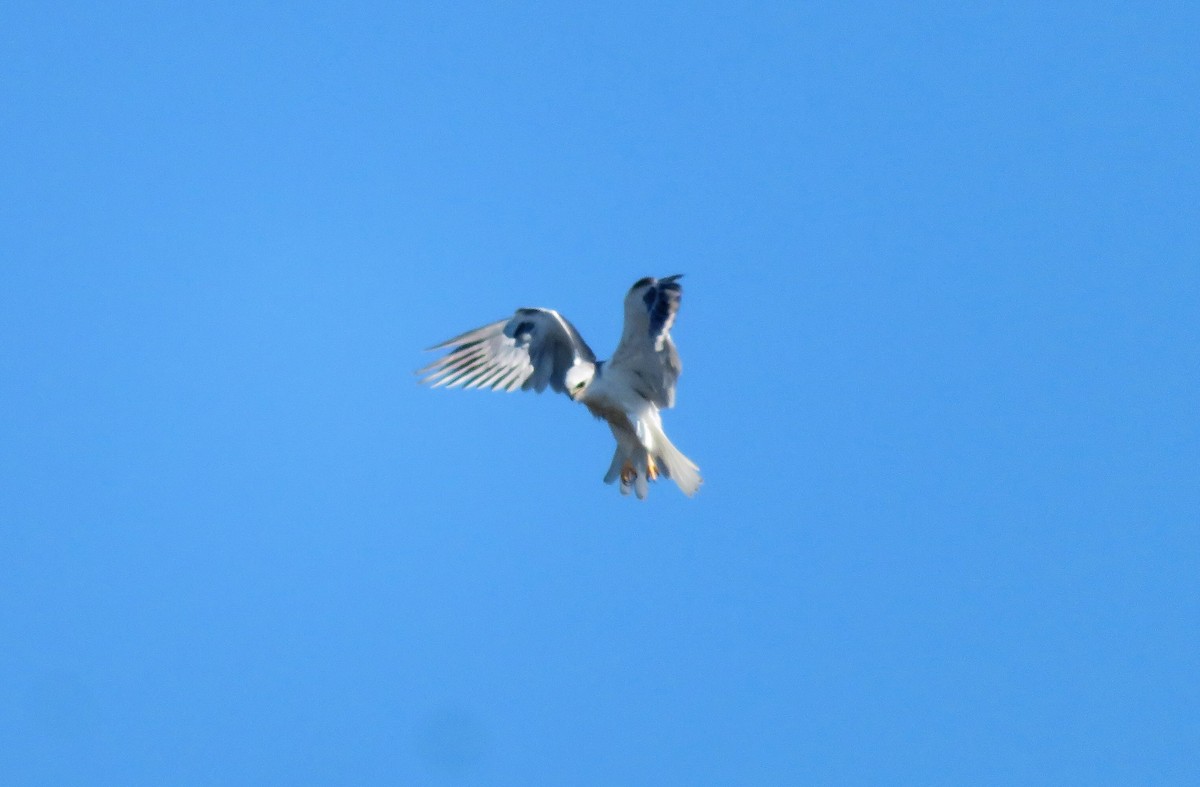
(646, 350)
(532, 349)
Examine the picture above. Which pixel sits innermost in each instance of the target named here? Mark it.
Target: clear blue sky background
(941, 337)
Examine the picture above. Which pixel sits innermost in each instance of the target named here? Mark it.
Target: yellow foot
(628, 474)
(651, 468)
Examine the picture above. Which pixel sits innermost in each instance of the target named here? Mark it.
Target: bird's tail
(674, 465)
(668, 461)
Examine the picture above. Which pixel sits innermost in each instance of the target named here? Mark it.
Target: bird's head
(578, 377)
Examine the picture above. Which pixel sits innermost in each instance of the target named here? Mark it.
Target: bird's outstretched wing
(646, 349)
(533, 349)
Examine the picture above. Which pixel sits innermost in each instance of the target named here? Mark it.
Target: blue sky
(941, 339)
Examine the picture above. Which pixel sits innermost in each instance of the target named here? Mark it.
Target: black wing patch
(662, 302)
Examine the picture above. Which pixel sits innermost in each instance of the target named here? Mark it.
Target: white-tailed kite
(538, 347)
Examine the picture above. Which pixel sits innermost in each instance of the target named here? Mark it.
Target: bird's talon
(628, 474)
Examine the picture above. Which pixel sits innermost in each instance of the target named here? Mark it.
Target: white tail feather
(673, 464)
(670, 461)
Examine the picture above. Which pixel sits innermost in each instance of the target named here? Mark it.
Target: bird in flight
(536, 348)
